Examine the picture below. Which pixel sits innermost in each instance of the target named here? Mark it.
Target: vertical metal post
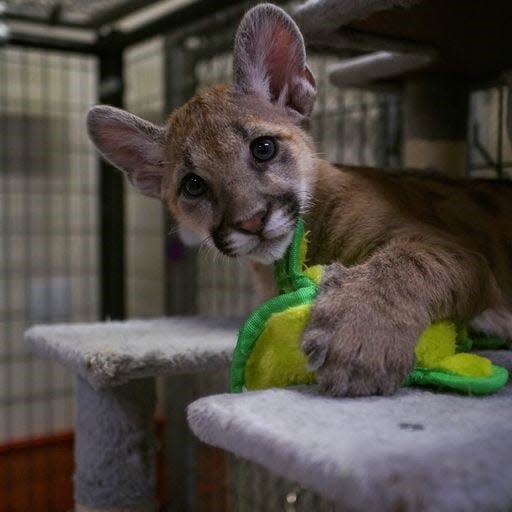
(499, 135)
(111, 185)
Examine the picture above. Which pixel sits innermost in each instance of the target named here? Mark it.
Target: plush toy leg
(114, 447)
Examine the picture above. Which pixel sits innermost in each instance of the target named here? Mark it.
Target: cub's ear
(270, 60)
(131, 144)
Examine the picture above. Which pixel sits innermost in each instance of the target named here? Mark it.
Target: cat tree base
(115, 364)
(417, 447)
(115, 446)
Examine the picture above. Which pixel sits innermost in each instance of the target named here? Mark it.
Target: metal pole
(111, 184)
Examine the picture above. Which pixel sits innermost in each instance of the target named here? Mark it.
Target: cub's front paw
(351, 364)
(355, 345)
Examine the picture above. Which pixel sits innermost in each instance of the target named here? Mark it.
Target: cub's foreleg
(367, 318)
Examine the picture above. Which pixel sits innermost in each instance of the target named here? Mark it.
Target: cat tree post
(114, 447)
(435, 112)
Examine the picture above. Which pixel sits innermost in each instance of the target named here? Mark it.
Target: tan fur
(402, 250)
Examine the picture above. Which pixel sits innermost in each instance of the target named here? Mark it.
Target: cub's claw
(354, 342)
(315, 344)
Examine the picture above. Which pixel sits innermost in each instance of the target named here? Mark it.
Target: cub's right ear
(133, 145)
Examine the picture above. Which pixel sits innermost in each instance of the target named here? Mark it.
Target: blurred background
(78, 245)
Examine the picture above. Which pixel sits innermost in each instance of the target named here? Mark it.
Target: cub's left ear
(270, 60)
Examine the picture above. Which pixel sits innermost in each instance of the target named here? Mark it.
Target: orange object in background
(36, 474)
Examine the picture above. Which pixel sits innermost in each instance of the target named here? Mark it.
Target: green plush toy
(268, 350)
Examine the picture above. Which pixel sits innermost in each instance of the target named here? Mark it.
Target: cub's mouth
(263, 238)
(272, 249)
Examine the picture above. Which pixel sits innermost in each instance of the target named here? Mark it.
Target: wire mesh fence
(252, 488)
(489, 144)
(48, 253)
(144, 217)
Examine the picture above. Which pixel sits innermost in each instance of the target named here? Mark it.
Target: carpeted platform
(111, 353)
(415, 451)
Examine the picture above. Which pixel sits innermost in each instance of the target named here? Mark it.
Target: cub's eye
(263, 148)
(193, 185)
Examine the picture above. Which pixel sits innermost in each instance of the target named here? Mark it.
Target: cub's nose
(253, 225)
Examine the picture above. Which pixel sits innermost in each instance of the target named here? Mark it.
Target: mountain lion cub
(235, 165)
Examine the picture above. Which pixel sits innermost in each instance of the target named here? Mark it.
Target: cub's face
(237, 173)
(233, 163)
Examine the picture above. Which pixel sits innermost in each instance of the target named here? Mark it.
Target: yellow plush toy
(268, 350)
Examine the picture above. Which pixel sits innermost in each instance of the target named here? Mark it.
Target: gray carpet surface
(111, 353)
(415, 451)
